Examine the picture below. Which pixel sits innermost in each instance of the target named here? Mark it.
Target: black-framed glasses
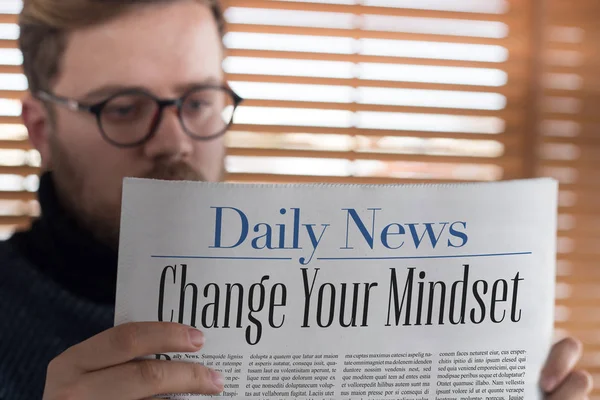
(131, 117)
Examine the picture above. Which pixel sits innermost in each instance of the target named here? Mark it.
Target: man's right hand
(107, 366)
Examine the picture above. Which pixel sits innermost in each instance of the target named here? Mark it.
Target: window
(387, 91)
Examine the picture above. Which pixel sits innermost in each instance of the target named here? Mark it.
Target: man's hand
(560, 380)
(105, 366)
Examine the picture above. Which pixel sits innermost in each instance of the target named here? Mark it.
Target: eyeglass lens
(129, 118)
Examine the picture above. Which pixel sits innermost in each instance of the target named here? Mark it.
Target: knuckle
(583, 380)
(200, 374)
(202, 379)
(126, 338)
(151, 373)
(181, 332)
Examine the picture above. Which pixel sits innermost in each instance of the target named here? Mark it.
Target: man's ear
(37, 121)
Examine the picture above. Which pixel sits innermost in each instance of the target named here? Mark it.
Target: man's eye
(195, 105)
(120, 111)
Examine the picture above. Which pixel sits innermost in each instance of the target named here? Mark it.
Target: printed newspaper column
(347, 291)
(491, 373)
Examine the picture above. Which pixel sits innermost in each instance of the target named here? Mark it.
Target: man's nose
(170, 140)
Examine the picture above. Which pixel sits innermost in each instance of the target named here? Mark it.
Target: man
(120, 88)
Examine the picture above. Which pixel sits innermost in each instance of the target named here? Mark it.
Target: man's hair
(46, 24)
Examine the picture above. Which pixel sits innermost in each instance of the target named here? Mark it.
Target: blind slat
(583, 69)
(8, 44)
(346, 155)
(513, 89)
(557, 116)
(371, 9)
(11, 69)
(19, 170)
(513, 67)
(274, 178)
(10, 120)
(507, 114)
(580, 93)
(586, 166)
(578, 279)
(11, 94)
(507, 138)
(577, 258)
(20, 196)
(514, 44)
(15, 144)
(15, 220)
(581, 140)
(8, 18)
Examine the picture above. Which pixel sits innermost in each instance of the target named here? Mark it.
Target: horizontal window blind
(395, 91)
(383, 91)
(378, 92)
(18, 163)
(569, 150)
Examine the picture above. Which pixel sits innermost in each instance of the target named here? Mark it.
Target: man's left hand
(560, 380)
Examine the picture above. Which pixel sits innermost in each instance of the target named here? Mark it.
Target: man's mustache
(175, 171)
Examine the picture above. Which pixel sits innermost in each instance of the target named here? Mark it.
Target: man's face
(165, 49)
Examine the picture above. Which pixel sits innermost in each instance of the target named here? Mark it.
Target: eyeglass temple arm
(69, 103)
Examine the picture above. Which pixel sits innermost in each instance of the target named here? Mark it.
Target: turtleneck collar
(66, 252)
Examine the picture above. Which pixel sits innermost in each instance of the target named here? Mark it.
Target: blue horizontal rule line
(525, 253)
(224, 258)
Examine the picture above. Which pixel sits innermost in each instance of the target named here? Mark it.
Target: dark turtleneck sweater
(57, 289)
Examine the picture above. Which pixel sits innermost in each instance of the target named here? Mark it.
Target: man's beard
(80, 201)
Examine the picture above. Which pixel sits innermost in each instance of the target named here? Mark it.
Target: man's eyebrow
(108, 90)
(211, 81)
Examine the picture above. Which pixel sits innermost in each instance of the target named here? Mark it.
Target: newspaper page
(403, 292)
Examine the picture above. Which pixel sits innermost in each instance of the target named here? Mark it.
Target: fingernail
(217, 379)
(548, 383)
(196, 337)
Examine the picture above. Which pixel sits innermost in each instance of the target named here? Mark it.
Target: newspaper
(346, 291)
